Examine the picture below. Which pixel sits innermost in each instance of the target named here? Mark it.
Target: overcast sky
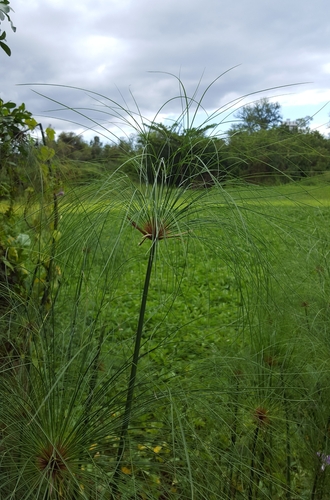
(118, 48)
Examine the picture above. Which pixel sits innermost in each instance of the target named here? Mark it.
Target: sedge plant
(170, 360)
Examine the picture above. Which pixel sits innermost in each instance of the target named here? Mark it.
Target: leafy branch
(4, 13)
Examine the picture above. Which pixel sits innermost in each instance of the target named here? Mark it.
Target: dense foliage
(189, 155)
(159, 342)
(277, 155)
(261, 148)
(231, 395)
(25, 172)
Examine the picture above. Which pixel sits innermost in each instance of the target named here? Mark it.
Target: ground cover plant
(171, 340)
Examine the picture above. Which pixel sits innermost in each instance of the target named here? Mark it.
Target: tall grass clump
(172, 342)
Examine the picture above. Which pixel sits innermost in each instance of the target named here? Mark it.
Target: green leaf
(4, 9)
(5, 48)
(56, 235)
(7, 263)
(10, 105)
(31, 123)
(45, 153)
(50, 132)
(23, 240)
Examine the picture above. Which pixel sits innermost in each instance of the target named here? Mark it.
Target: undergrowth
(171, 343)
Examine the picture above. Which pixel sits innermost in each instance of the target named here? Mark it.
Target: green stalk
(49, 275)
(231, 493)
(132, 379)
(254, 446)
(318, 483)
(288, 444)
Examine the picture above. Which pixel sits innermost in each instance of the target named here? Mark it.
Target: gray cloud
(109, 47)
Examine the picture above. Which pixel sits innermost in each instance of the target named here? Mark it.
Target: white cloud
(316, 98)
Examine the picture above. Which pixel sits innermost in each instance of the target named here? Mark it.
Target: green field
(231, 396)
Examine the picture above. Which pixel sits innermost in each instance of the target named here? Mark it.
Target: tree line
(259, 147)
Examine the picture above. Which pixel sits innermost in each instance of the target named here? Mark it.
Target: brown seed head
(153, 230)
(53, 459)
(270, 360)
(261, 416)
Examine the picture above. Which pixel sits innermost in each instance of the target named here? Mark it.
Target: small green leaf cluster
(4, 13)
(220, 298)
(14, 248)
(15, 121)
(21, 157)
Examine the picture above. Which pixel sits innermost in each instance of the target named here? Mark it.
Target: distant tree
(303, 124)
(120, 155)
(72, 147)
(262, 115)
(188, 155)
(278, 154)
(4, 13)
(298, 125)
(117, 153)
(96, 148)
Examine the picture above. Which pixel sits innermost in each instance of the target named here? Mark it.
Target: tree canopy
(262, 115)
(188, 155)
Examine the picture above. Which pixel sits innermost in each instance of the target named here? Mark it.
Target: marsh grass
(182, 351)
